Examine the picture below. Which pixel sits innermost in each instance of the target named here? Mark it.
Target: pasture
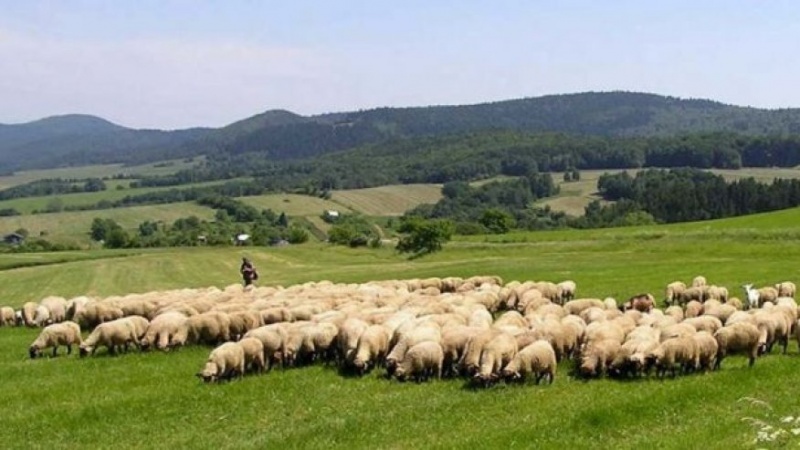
(153, 399)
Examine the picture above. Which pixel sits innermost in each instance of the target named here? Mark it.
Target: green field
(73, 227)
(97, 171)
(153, 400)
(388, 200)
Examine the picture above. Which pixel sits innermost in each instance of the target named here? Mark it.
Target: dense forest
(284, 136)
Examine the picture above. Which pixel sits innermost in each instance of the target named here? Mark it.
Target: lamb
(740, 337)
(114, 334)
(163, 330)
(421, 361)
(568, 288)
(371, 348)
(537, 359)
(8, 317)
(224, 362)
(673, 292)
(64, 333)
(707, 349)
(786, 289)
(253, 354)
(674, 353)
(496, 354)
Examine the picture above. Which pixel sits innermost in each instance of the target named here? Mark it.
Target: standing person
(248, 271)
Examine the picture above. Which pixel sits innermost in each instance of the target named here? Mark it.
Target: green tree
(497, 221)
(424, 236)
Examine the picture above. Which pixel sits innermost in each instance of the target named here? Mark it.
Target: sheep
(276, 315)
(699, 281)
(631, 359)
(707, 349)
(240, 322)
(568, 288)
(75, 305)
(41, 317)
(735, 302)
(8, 317)
(786, 289)
(717, 293)
(673, 292)
(778, 326)
(95, 313)
(693, 309)
(576, 306)
(675, 312)
(422, 333)
(597, 356)
(224, 362)
(253, 354)
(671, 354)
(117, 333)
(371, 349)
(610, 303)
(347, 339)
(211, 328)
(704, 323)
(640, 302)
(537, 359)
(64, 333)
(496, 354)
(740, 337)
(56, 308)
(140, 325)
(28, 312)
(163, 330)
(271, 341)
(421, 361)
(692, 293)
(720, 311)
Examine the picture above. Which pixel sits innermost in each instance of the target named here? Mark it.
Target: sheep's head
(144, 344)
(34, 351)
(85, 350)
(511, 375)
(209, 373)
(400, 374)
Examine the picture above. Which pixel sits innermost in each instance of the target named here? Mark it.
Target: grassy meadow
(152, 400)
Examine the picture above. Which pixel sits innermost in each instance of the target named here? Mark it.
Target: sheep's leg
(69, 349)
(55, 351)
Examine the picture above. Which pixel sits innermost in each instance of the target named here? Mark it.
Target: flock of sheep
(478, 328)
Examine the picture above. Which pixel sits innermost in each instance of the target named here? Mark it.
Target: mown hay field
(153, 400)
(388, 200)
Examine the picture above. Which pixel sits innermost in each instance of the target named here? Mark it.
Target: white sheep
(253, 353)
(116, 334)
(420, 362)
(372, 347)
(64, 333)
(8, 317)
(496, 354)
(224, 362)
(786, 289)
(740, 337)
(568, 288)
(537, 359)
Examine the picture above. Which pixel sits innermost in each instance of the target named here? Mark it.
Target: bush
(424, 236)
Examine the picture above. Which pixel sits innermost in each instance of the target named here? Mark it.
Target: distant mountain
(72, 140)
(283, 135)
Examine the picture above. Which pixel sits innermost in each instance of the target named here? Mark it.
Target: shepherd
(248, 271)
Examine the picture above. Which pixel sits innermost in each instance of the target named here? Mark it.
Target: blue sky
(176, 64)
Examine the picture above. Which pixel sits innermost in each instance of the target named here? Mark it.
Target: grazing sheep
(778, 326)
(140, 325)
(699, 281)
(717, 293)
(421, 362)
(631, 359)
(419, 334)
(224, 362)
(56, 308)
(707, 349)
(693, 309)
(28, 312)
(8, 317)
(253, 354)
(675, 312)
(243, 321)
(568, 288)
(537, 359)
(767, 294)
(95, 313)
(692, 293)
(347, 340)
(640, 302)
(786, 289)
(42, 316)
(673, 292)
(735, 302)
(271, 341)
(496, 354)
(112, 335)
(210, 328)
(64, 333)
(597, 356)
(371, 348)
(704, 323)
(276, 315)
(163, 329)
(576, 306)
(675, 353)
(740, 337)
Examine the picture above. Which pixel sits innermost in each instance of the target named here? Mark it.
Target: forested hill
(282, 135)
(76, 139)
